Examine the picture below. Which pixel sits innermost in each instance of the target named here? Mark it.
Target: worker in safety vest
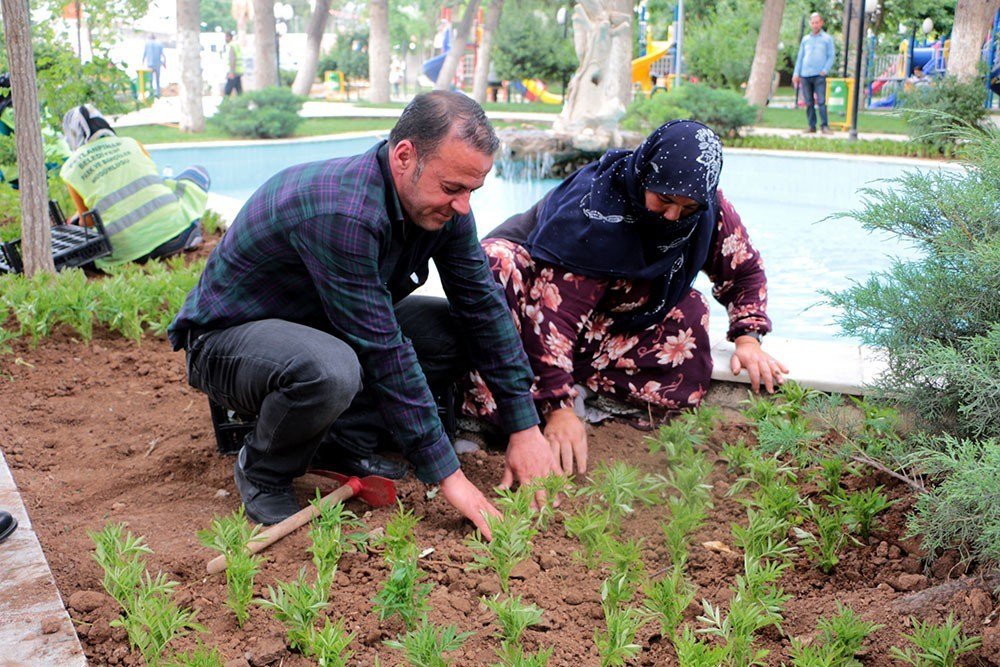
(234, 67)
(144, 215)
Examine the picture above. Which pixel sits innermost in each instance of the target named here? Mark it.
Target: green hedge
(270, 113)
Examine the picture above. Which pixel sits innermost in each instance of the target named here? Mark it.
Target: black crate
(72, 245)
(230, 428)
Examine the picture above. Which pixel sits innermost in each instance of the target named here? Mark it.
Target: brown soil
(111, 432)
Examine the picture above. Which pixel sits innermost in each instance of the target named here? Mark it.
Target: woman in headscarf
(145, 216)
(598, 276)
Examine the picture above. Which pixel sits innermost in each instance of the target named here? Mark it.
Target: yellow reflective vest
(140, 209)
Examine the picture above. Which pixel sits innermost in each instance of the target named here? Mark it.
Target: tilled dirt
(110, 431)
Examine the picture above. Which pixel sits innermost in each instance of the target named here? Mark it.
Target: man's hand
(822, 73)
(528, 458)
(567, 437)
(795, 80)
(470, 501)
(759, 364)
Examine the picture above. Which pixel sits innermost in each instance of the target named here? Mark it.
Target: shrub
(269, 113)
(725, 111)
(937, 317)
(719, 48)
(938, 115)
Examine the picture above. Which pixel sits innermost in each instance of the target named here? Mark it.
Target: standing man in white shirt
(815, 59)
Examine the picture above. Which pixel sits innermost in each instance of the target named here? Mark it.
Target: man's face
(816, 23)
(431, 195)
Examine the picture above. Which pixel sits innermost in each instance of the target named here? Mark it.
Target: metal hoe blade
(375, 491)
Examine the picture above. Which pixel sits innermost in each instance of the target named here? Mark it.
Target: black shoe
(348, 463)
(7, 525)
(265, 505)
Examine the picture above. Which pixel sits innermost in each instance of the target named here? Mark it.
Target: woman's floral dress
(565, 321)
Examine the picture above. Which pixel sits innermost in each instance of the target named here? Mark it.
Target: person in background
(144, 215)
(918, 78)
(598, 276)
(153, 59)
(303, 316)
(815, 59)
(233, 55)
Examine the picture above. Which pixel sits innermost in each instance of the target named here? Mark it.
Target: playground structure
(654, 63)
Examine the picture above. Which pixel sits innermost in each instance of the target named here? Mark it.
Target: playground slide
(536, 89)
(641, 66)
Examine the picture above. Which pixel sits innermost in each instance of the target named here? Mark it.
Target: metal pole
(679, 65)
(847, 34)
(853, 134)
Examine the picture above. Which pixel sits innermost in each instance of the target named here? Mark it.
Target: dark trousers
(235, 83)
(304, 385)
(815, 86)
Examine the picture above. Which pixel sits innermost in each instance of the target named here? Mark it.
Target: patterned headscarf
(83, 124)
(596, 222)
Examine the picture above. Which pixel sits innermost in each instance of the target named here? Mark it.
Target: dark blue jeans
(304, 385)
(815, 85)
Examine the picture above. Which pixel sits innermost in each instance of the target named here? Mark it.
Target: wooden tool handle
(274, 533)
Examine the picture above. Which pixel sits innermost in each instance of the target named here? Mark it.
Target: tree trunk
(314, 41)
(36, 244)
(854, 7)
(481, 79)
(624, 54)
(265, 59)
(972, 22)
(189, 49)
(450, 65)
(766, 54)
(378, 51)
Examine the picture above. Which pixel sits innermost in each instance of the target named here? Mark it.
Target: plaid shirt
(327, 245)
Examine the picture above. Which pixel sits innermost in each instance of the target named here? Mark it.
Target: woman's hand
(528, 458)
(469, 500)
(567, 437)
(759, 364)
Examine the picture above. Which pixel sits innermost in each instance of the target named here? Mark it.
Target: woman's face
(671, 207)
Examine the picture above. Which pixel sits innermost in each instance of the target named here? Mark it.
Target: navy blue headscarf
(596, 222)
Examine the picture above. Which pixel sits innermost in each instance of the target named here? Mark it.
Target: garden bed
(110, 432)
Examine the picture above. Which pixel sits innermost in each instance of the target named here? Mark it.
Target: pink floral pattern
(567, 325)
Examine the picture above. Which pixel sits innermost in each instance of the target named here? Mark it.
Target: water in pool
(785, 202)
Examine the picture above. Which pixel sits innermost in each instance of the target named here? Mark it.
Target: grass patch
(882, 147)
(887, 123)
(310, 127)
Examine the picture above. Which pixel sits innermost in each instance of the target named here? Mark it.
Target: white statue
(597, 94)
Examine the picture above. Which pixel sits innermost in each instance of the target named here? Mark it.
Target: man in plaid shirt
(301, 315)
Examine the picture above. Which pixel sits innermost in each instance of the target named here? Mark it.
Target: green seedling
(122, 557)
(936, 645)
(230, 536)
(844, 633)
(426, 644)
(824, 547)
(591, 527)
(764, 472)
(763, 537)
(879, 420)
(831, 470)
(513, 616)
(335, 531)
(402, 593)
(816, 655)
(691, 652)
(778, 500)
(738, 456)
(862, 507)
(620, 486)
(737, 629)
(667, 598)
(202, 656)
(296, 605)
(328, 644)
(685, 519)
(689, 480)
(797, 396)
(155, 619)
(676, 439)
(616, 643)
(762, 408)
(511, 545)
(627, 571)
(517, 657)
(786, 436)
(555, 488)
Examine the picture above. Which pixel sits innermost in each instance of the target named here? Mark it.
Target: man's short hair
(430, 117)
(816, 15)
